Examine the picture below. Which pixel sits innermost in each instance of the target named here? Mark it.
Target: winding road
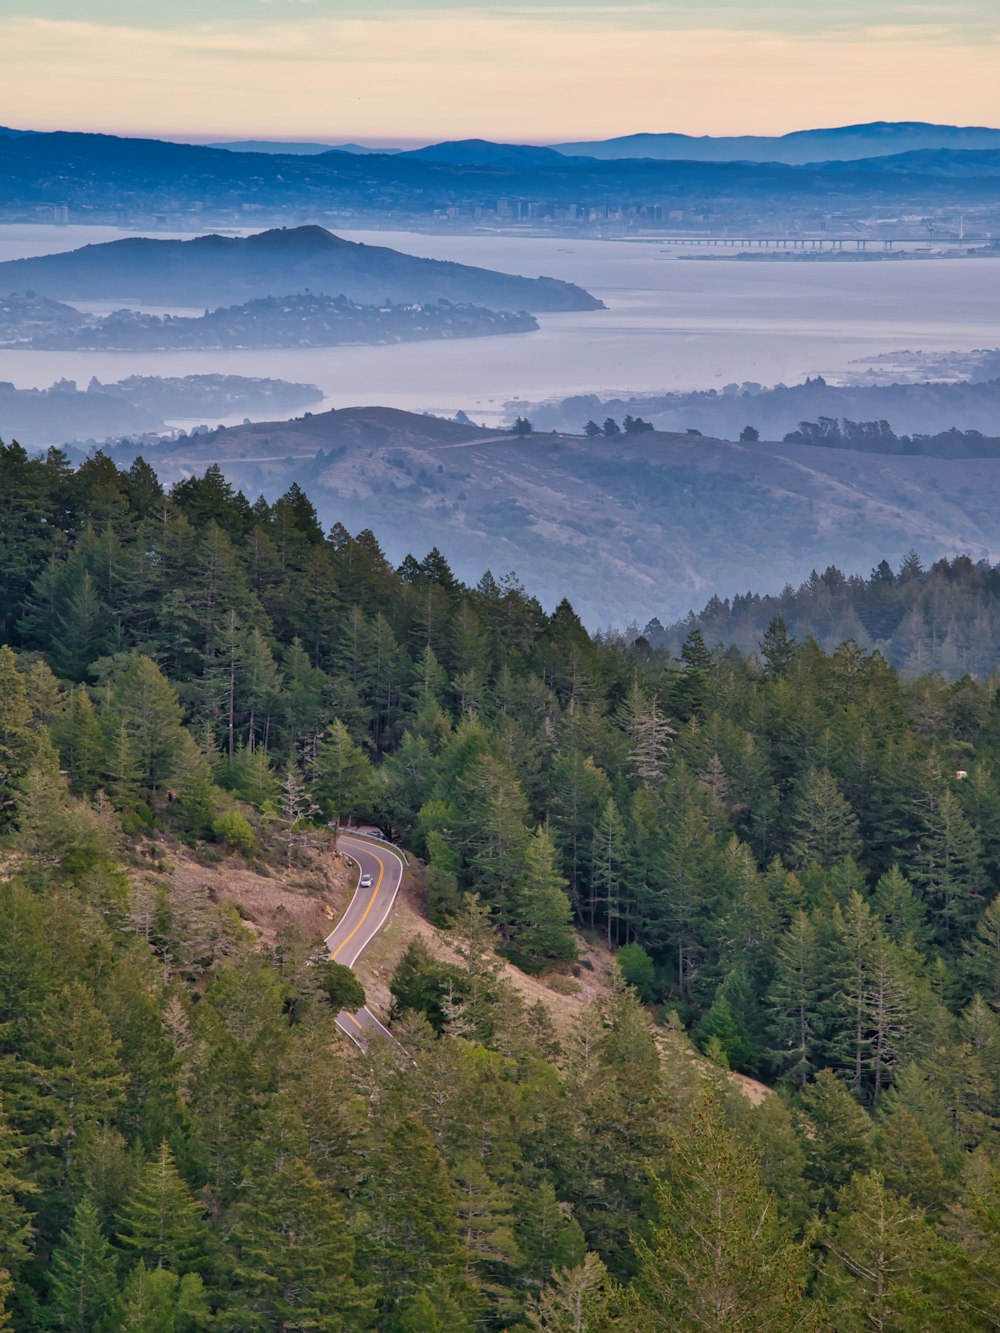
(366, 915)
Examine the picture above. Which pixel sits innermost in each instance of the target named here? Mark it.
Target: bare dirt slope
(313, 895)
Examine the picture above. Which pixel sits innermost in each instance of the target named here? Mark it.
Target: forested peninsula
(300, 320)
(789, 855)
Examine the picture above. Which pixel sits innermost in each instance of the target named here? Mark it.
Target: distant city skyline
(538, 71)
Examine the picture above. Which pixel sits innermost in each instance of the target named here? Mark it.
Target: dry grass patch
(312, 894)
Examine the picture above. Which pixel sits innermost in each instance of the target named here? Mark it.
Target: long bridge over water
(822, 242)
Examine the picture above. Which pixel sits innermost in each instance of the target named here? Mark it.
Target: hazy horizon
(472, 68)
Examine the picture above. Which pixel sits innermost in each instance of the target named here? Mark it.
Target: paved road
(367, 914)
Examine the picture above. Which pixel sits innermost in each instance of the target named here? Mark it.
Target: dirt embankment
(312, 895)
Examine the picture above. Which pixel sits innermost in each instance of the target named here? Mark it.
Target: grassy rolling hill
(640, 526)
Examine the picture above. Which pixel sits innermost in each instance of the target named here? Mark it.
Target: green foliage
(340, 986)
(161, 1222)
(719, 1257)
(778, 846)
(84, 1278)
(422, 984)
(638, 970)
(234, 829)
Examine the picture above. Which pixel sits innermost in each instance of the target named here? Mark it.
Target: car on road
(366, 881)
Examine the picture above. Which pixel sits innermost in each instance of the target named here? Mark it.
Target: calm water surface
(671, 323)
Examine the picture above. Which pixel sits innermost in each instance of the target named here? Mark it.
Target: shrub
(233, 829)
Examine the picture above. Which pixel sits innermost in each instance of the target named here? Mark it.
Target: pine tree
(718, 1257)
(650, 735)
(161, 1222)
(78, 1065)
(294, 1251)
(777, 649)
(78, 736)
(578, 1300)
(983, 953)
(908, 1162)
(345, 781)
(876, 1247)
(794, 1002)
(608, 869)
(548, 1236)
(81, 632)
(824, 828)
(617, 1098)
(837, 1136)
(486, 1226)
(947, 868)
(144, 706)
(158, 1301)
(16, 741)
(84, 1277)
(410, 1235)
(541, 910)
(16, 1229)
(578, 791)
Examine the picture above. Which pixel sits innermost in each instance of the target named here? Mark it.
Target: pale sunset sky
(529, 71)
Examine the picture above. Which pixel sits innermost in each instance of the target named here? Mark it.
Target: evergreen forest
(780, 1114)
(943, 619)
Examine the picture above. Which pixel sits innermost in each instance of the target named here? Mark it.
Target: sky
(535, 71)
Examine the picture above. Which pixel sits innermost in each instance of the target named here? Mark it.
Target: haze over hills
(102, 178)
(484, 152)
(924, 408)
(634, 527)
(37, 418)
(219, 269)
(955, 162)
(292, 149)
(798, 148)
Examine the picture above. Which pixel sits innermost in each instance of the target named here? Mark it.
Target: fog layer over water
(671, 323)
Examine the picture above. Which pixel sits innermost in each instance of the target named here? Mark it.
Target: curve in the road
(365, 916)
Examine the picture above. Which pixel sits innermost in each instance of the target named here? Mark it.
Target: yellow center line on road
(371, 904)
(355, 1022)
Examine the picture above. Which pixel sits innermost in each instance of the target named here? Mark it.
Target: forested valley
(944, 619)
(792, 851)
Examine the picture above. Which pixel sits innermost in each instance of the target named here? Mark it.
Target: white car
(366, 881)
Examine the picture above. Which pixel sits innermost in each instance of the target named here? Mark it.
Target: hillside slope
(220, 269)
(636, 527)
(842, 143)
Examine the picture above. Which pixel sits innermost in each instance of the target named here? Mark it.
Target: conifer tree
(794, 1001)
(876, 1249)
(161, 1222)
(78, 736)
(824, 828)
(837, 1137)
(16, 1229)
(84, 1277)
(608, 869)
(577, 1300)
(345, 782)
(294, 1251)
(718, 1257)
(16, 741)
(411, 1238)
(156, 1300)
(540, 908)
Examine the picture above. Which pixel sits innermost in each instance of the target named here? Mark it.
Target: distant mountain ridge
(801, 147)
(93, 174)
(274, 146)
(224, 269)
(485, 152)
